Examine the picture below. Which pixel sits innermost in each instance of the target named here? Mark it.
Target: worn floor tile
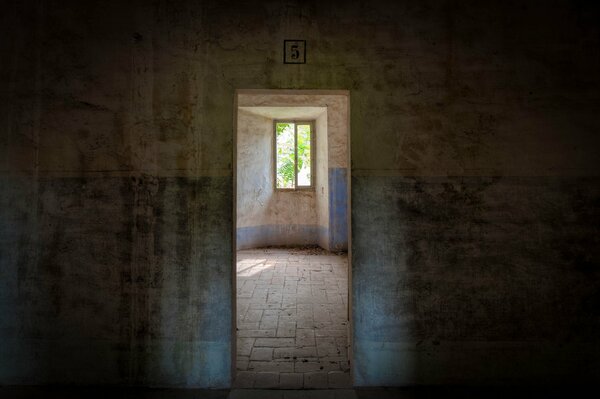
(338, 379)
(291, 380)
(271, 366)
(315, 380)
(266, 380)
(263, 354)
(292, 320)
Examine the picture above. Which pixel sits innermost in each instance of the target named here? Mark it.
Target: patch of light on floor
(251, 267)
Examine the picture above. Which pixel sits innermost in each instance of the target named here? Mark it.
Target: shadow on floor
(25, 392)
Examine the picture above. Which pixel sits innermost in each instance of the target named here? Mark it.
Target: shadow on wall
(100, 281)
(451, 285)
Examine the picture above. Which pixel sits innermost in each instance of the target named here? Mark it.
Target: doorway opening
(292, 240)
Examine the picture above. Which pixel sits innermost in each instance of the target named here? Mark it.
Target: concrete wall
(115, 198)
(322, 181)
(474, 185)
(266, 216)
(331, 184)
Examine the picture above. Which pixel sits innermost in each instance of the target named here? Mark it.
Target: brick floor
(292, 319)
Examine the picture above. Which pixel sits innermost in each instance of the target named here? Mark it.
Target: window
(294, 166)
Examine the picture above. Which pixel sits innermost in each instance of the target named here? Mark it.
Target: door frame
(234, 213)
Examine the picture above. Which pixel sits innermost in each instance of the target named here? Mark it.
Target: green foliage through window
(293, 155)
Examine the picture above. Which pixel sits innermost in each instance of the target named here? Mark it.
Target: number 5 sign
(294, 51)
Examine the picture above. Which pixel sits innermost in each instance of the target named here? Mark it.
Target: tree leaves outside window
(293, 155)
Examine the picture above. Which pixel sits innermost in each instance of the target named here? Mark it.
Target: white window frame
(296, 122)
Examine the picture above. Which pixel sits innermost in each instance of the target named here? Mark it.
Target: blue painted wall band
(338, 209)
(336, 235)
(275, 234)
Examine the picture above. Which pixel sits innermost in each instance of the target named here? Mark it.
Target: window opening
(294, 165)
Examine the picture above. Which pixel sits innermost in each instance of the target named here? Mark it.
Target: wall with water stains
(474, 193)
(316, 216)
(266, 216)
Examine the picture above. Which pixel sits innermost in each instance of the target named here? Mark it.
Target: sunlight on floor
(292, 319)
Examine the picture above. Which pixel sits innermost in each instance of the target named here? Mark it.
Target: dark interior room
(299, 199)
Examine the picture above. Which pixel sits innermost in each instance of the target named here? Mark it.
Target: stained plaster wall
(266, 216)
(474, 185)
(330, 197)
(115, 198)
(322, 181)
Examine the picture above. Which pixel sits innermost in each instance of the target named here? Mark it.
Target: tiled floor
(292, 319)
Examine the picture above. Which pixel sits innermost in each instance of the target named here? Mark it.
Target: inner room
(292, 267)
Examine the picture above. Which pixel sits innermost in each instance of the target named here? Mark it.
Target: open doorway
(292, 268)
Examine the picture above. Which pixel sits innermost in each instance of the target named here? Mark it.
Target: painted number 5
(295, 53)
